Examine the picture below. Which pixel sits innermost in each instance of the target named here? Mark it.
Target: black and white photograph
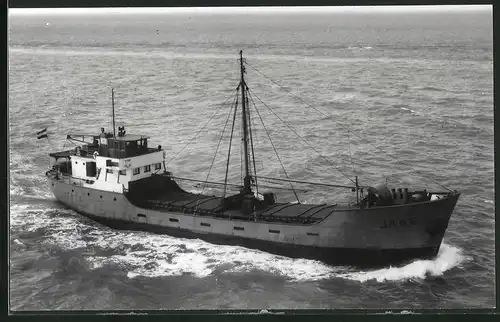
(256, 158)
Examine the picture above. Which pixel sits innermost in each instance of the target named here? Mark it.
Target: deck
(205, 205)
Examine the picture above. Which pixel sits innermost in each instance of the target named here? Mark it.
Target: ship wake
(150, 255)
(35, 212)
(449, 257)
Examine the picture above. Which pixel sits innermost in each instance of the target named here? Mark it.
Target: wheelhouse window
(109, 171)
(157, 166)
(147, 168)
(137, 171)
(123, 172)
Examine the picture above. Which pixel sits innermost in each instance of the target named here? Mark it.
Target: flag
(42, 134)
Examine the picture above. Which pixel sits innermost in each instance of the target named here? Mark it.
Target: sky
(235, 10)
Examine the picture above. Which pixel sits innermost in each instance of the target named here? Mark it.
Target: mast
(113, 105)
(247, 179)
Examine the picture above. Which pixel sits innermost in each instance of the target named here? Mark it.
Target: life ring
(96, 154)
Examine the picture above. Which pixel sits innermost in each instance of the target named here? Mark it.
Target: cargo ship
(119, 180)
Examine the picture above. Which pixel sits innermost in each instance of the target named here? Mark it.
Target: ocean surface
(417, 85)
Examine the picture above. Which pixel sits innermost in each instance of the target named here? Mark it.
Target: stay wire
(220, 139)
(211, 118)
(345, 127)
(298, 135)
(230, 145)
(251, 144)
(350, 155)
(274, 148)
(216, 150)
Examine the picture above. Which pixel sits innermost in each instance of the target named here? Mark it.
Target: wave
(448, 257)
(444, 119)
(27, 180)
(431, 88)
(410, 110)
(160, 53)
(33, 187)
(151, 255)
(359, 47)
(20, 163)
(253, 46)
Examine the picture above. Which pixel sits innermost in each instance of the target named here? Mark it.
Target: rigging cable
(217, 112)
(236, 186)
(345, 127)
(292, 129)
(274, 148)
(251, 143)
(216, 150)
(230, 145)
(272, 180)
(350, 155)
(241, 160)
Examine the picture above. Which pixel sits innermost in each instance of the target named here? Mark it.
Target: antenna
(113, 104)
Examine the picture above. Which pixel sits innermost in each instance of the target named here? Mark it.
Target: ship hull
(334, 256)
(360, 237)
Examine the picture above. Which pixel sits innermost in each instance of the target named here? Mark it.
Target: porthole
(101, 197)
(114, 199)
(72, 190)
(88, 193)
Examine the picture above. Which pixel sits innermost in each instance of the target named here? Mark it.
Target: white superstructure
(110, 163)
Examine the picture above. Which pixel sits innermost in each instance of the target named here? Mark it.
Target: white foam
(20, 161)
(17, 241)
(189, 56)
(27, 184)
(167, 256)
(359, 47)
(162, 255)
(151, 255)
(32, 217)
(410, 110)
(448, 257)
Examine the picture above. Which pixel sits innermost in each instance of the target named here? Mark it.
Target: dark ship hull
(344, 236)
